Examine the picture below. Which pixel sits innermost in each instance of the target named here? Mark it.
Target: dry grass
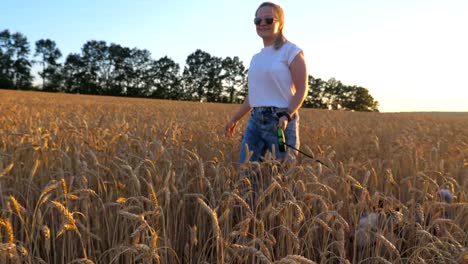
(88, 179)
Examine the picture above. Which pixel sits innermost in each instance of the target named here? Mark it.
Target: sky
(411, 55)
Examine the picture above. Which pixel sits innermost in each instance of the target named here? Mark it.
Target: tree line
(115, 70)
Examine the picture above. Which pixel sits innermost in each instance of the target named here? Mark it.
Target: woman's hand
(282, 122)
(229, 128)
(284, 119)
(232, 123)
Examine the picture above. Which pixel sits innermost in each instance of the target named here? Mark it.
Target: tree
(5, 73)
(358, 98)
(166, 74)
(21, 65)
(214, 88)
(15, 68)
(315, 96)
(109, 70)
(120, 68)
(195, 75)
(74, 75)
(244, 89)
(140, 81)
(96, 67)
(332, 94)
(335, 95)
(6, 60)
(49, 54)
(234, 78)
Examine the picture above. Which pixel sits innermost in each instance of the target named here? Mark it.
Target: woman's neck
(268, 41)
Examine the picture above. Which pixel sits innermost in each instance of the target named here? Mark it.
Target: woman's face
(264, 30)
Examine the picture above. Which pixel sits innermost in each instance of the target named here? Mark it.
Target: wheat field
(86, 179)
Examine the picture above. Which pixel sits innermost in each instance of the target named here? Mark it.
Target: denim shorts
(261, 134)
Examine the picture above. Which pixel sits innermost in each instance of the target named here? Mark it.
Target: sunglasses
(268, 20)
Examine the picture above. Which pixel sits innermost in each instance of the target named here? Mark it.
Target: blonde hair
(279, 15)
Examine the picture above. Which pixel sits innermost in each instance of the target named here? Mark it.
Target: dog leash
(282, 147)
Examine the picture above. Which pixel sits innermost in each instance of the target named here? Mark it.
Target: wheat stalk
(217, 231)
(251, 251)
(295, 259)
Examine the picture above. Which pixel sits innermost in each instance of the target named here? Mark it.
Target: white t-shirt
(269, 78)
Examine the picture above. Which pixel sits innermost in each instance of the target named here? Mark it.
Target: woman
(277, 81)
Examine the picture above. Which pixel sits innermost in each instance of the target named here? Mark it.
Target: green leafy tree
(167, 79)
(234, 79)
(315, 96)
(5, 74)
(110, 70)
(214, 88)
(244, 89)
(139, 77)
(195, 75)
(358, 99)
(96, 66)
(74, 75)
(120, 58)
(48, 52)
(15, 68)
(333, 94)
(21, 65)
(6, 60)
(203, 77)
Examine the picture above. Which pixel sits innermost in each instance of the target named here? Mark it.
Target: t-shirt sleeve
(293, 50)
